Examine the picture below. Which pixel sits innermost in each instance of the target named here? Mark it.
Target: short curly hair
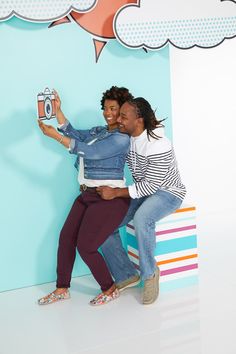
(119, 94)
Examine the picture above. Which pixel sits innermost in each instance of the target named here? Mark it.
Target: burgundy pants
(90, 222)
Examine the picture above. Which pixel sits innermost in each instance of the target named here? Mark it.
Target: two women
(101, 154)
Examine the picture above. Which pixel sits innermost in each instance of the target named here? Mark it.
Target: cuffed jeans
(145, 212)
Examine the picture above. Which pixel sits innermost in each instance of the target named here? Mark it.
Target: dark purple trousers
(90, 222)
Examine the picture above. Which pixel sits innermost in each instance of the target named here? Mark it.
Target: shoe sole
(130, 285)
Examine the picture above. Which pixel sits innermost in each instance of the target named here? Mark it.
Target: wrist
(116, 192)
(59, 138)
(121, 192)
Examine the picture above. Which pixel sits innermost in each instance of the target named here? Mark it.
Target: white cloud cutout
(42, 10)
(184, 23)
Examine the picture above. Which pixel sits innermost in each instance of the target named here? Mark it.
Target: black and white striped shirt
(153, 166)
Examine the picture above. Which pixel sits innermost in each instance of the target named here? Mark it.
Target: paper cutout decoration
(151, 24)
(42, 10)
(98, 21)
(46, 104)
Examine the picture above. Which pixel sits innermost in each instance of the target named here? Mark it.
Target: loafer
(52, 297)
(102, 299)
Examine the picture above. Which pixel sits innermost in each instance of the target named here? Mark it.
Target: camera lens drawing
(48, 108)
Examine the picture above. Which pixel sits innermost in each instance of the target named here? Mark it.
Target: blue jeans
(145, 212)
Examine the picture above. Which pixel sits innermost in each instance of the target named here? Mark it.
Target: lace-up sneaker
(151, 288)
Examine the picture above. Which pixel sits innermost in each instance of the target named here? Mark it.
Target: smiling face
(129, 122)
(111, 112)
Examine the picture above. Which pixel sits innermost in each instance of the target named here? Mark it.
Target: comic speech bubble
(184, 23)
(42, 10)
(98, 21)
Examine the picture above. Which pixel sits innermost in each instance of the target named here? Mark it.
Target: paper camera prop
(46, 105)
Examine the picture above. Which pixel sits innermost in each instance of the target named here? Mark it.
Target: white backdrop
(204, 124)
(204, 134)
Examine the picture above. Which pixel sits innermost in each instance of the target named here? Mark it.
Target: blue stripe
(179, 283)
(176, 283)
(163, 247)
(175, 221)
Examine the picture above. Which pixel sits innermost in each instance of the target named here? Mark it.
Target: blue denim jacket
(104, 152)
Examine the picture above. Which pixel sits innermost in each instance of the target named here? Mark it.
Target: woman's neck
(112, 127)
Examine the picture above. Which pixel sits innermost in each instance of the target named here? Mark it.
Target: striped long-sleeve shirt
(153, 166)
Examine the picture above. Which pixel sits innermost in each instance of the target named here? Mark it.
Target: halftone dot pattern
(42, 9)
(204, 32)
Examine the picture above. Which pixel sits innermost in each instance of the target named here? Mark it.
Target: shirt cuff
(63, 126)
(132, 191)
(72, 145)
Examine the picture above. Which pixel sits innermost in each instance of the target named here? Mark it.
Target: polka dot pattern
(204, 32)
(44, 10)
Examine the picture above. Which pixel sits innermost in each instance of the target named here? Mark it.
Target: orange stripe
(168, 260)
(177, 259)
(185, 209)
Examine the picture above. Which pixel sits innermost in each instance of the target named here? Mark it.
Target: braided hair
(119, 94)
(145, 111)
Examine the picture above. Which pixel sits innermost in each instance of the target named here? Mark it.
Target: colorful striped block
(176, 248)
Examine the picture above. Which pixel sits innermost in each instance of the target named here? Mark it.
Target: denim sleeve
(110, 146)
(68, 130)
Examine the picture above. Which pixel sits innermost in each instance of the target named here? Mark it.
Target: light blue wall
(38, 180)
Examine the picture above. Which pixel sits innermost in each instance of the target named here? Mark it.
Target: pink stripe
(180, 269)
(158, 233)
(184, 228)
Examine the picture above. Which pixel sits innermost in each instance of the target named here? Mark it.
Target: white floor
(193, 320)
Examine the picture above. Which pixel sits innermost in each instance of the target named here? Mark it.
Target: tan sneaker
(151, 288)
(128, 283)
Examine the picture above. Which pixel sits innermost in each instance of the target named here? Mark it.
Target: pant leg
(154, 208)
(115, 255)
(99, 220)
(67, 243)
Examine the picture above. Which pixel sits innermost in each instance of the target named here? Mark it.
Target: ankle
(60, 291)
(110, 290)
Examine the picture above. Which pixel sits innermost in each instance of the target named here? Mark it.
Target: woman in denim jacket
(101, 153)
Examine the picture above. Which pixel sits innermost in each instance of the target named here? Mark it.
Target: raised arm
(65, 126)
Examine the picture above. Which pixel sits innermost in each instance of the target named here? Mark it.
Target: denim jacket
(104, 151)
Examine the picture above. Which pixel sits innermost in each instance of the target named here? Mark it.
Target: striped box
(176, 248)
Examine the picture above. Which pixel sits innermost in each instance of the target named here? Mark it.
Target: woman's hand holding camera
(57, 101)
(59, 114)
